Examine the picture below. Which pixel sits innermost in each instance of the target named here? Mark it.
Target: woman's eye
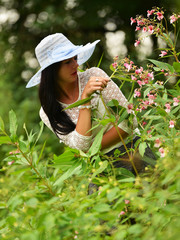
(67, 62)
(70, 60)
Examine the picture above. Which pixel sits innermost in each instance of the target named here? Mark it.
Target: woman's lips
(74, 73)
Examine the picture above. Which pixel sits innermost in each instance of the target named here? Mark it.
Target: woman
(61, 85)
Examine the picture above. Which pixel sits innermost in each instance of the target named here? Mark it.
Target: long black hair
(59, 120)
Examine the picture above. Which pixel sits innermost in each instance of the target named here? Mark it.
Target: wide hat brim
(83, 53)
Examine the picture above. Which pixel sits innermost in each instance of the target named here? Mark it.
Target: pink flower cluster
(115, 64)
(126, 201)
(175, 103)
(151, 24)
(174, 18)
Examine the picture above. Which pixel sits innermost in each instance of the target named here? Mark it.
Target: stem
(130, 156)
(171, 46)
(36, 171)
(112, 166)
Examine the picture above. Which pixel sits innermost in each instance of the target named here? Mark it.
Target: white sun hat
(55, 48)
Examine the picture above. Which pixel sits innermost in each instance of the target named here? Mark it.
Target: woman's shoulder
(93, 71)
(43, 115)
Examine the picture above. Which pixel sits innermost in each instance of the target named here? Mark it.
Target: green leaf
(102, 167)
(78, 103)
(13, 124)
(156, 69)
(112, 194)
(40, 132)
(32, 202)
(2, 205)
(40, 155)
(99, 63)
(142, 147)
(67, 156)
(162, 65)
(113, 103)
(147, 91)
(122, 78)
(96, 146)
(176, 66)
(1, 124)
(4, 139)
(154, 117)
(23, 146)
(102, 207)
(174, 92)
(73, 170)
(123, 116)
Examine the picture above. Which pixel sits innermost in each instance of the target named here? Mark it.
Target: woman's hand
(94, 84)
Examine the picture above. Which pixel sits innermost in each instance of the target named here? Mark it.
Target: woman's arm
(112, 137)
(83, 125)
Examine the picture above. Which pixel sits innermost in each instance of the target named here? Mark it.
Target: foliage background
(24, 23)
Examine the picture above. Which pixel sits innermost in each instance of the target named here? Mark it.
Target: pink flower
(14, 152)
(151, 98)
(146, 80)
(140, 22)
(133, 78)
(151, 75)
(128, 66)
(176, 101)
(159, 16)
(173, 19)
(140, 83)
(162, 151)
(132, 20)
(115, 58)
(145, 29)
(139, 70)
(10, 163)
(146, 104)
(138, 109)
(137, 93)
(149, 13)
(126, 201)
(163, 53)
(157, 143)
(137, 28)
(171, 124)
(151, 29)
(121, 213)
(130, 107)
(137, 43)
(144, 123)
(168, 107)
(114, 65)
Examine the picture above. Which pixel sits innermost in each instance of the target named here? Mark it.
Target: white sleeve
(73, 139)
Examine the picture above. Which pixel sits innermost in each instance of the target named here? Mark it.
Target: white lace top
(112, 91)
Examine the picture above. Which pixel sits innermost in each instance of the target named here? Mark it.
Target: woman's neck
(68, 93)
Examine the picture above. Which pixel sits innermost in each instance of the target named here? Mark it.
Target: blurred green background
(24, 23)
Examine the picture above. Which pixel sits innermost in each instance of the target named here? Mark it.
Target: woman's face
(68, 70)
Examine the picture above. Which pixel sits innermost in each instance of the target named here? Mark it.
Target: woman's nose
(75, 63)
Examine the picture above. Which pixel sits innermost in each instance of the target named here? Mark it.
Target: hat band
(59, 53)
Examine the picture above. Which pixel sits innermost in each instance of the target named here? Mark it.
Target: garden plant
(45, 196)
